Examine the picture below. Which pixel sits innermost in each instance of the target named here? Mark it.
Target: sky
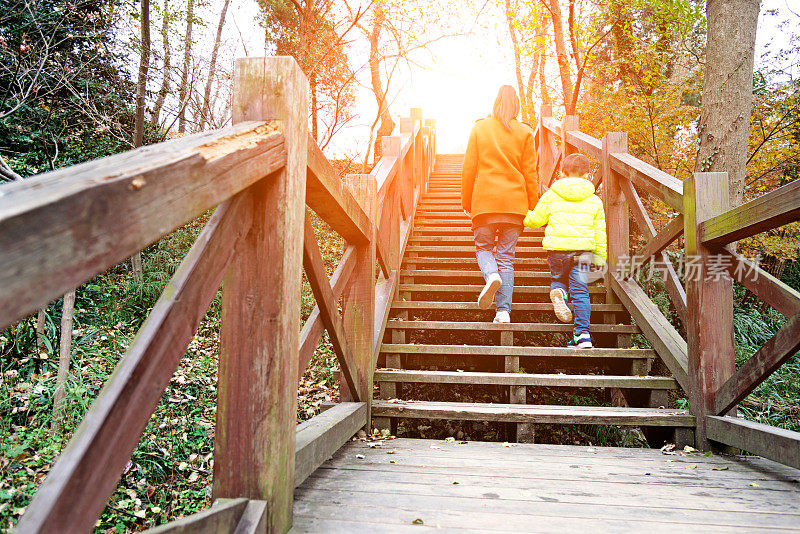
(460, 77)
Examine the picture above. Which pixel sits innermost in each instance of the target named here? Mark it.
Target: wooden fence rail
(703, 363)
(59, 229)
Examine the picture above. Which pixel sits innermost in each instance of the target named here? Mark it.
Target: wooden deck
(489, 487)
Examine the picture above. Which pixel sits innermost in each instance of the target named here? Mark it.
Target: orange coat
(499, 171)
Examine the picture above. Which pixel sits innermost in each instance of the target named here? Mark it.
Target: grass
(169, 474)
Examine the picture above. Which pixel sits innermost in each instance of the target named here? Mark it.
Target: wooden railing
(703, 363)
(59, 229)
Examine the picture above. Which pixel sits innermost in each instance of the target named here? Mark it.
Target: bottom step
(533, 413)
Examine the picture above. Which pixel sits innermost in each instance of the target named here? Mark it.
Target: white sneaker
(502, 317)
(558, 298)
(487, 294)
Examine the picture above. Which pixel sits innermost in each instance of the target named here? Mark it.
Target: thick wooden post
(709, 300)
(570, 123)
(617, 220)
(257, 395)
(358, 308)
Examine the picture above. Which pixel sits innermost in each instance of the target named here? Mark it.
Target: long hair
(506, 106)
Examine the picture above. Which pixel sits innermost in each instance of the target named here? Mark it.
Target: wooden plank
(669, 345)
(528, 276)
(322, 435)
(777, 444)
(532, 413)
(671, 281)
(500, 327)
(616, 212)
(709, 320)
(254, 518)
(327, 302)
(541, 352)
(473, 306)
(780, 347)
(77, 488)
(327, 196)
(358, 304)
(314, 327)
(462, 288)
(765, 286)
(385, 290)
(59, 229)
(259, 333)
(651, 179)
(526, 379)
(223, 516)
(662, 240)
(585, 143)
(770, 210)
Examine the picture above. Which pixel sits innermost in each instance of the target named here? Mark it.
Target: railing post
(617, 219)
(709, 300)
(569, 124)
(257, 390)
(358, 305)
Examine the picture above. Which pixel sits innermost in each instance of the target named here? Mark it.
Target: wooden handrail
(59, 229)
(766, 212)
(651, 179)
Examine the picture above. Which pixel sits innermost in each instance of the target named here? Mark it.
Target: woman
(498, 187)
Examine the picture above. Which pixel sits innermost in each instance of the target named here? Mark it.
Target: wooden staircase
(437, 335)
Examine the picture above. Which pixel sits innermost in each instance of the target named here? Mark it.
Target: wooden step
(451, 240)
(532, 413)
(469, 250)
(519, 263)
(534, 352)
(477, 326)
(476, 277)
(468, 288)
(525, 379)
(540, 276)
(515, 307)
(463, 231)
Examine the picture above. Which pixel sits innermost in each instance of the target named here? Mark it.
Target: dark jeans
(502, 261)
(573, 277)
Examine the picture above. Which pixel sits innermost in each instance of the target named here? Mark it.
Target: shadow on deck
(489, 487)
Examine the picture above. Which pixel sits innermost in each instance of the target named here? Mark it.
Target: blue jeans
(568, 274)
(501, 262)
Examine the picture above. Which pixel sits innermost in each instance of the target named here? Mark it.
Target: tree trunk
(206, 115)
(141, 88)
(64, 355)
(512, 31)
(542, 79)
(183, 90)
(561, 55)
(41, 323)
(387, 124)
(141, 82)
(724, 127)
(165, 81)
(312, 83)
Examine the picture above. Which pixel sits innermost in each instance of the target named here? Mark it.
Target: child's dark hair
(575, 165)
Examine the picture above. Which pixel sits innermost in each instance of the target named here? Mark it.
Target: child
(576, 225)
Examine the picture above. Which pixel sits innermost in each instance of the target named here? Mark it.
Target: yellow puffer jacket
(574, 217)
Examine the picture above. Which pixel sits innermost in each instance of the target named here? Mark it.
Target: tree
(63, 93)
(728, 91)
(206, 112)
(184, 90)
(313, 32)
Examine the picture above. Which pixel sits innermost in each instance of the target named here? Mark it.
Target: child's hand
(528, 221)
